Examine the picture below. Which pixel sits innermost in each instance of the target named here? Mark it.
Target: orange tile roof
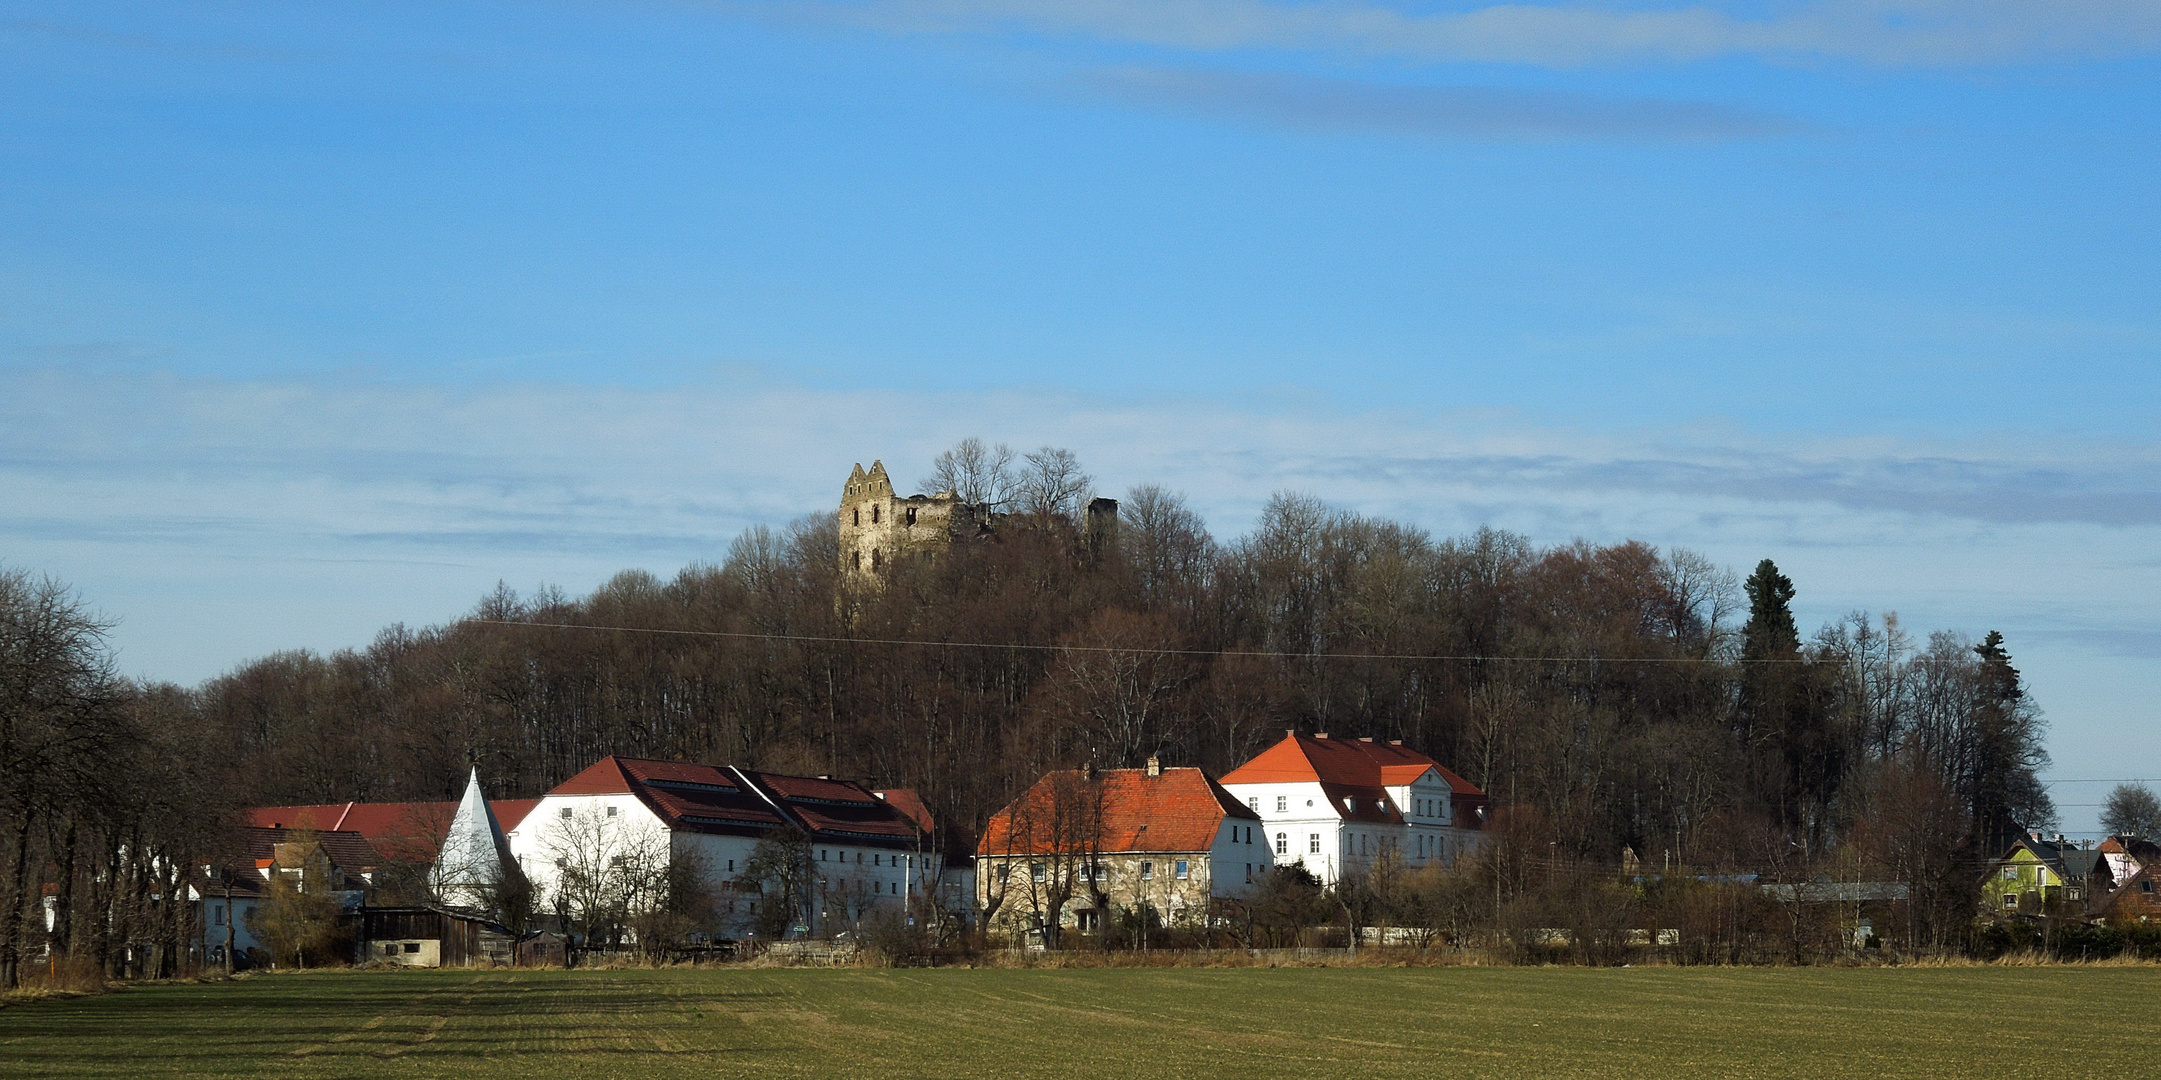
(1357, 769)
(1122, 810)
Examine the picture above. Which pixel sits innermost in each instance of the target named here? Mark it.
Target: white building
(863, 852)
(1335, 805)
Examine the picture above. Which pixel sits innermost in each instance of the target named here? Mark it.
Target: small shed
(430, 937)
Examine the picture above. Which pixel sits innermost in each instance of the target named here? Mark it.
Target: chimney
(1320, 734)
(1395, 742)
(1155, 765)
(1365, 738)
(1088, 771)
(1290, 733)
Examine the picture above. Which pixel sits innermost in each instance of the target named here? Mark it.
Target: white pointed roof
(475, 851)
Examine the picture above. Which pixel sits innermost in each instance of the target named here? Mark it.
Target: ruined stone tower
(877, 527)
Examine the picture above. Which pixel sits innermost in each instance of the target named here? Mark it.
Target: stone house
(1081, 848)
(1334, 806)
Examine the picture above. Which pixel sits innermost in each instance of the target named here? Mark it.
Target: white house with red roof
(1336, 805)
(864, 852)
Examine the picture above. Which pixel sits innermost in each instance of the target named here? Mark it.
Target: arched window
(858, 515)
(1283, 844)
(874, 515)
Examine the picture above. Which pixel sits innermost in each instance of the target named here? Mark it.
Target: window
(2009, 901)
(911, 515)
(822, 855)
(1283, 844)
(1283, 804)
(412, 946)
(1148, 870)
(874, 558)
(859, 521)
(1178, 869)
(2010, 873)
(1253, 803)
(878, 887)
(1249, 873)
(731, 869)
(1035, 871)
(1089, 919)
(1313, 844)
(858, 858)
(390, 949)
(566, 813)
(875, 856)
(611, 811)
(874, 515)
(2145, 886)
(859, 560)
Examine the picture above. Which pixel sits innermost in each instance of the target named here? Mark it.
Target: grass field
(1431, 1023)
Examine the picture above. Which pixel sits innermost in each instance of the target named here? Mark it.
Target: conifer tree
(2007, 754)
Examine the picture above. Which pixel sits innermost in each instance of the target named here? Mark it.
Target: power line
(830, 640)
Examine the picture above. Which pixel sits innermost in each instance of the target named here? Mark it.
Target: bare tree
(2132, 810)
(981, 475)
(1052, 484)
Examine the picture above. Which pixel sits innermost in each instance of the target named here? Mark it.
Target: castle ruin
(878, 527)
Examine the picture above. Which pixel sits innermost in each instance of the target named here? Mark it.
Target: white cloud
(221, 520)
(1885, 32)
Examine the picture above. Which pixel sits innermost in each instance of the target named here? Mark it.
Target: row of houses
(2116, 879)
(1071, 851)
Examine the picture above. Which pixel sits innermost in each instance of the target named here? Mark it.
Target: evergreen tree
(1799, 759)
(2007, 754)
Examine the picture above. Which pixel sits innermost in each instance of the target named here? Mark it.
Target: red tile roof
(720, 799)
(1179, 810)
(840, 811)
(348, 851)
(400, 831)
(911, 805)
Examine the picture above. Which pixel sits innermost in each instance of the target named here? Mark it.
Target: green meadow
(1155, 1022)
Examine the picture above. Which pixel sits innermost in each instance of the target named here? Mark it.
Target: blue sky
(317, 317)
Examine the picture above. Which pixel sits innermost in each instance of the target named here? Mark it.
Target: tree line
(1614, 699)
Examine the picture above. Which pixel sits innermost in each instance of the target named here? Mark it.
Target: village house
(230, 891)
(862, 852)
(1334, 806)
(2037, 873)
(1082, 847)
